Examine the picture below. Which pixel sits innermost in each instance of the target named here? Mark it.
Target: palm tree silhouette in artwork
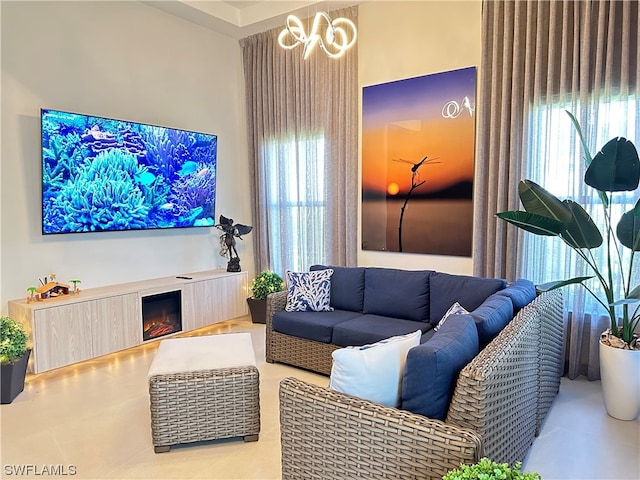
(416, 181)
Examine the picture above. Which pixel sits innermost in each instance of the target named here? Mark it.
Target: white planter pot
(620, 375)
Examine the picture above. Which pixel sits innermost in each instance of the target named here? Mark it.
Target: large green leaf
(531, 222)
(635, 293)
(545, 287)
(628, 230)
(581, 231)
(535, 199)
(615, 168)
(576, 125)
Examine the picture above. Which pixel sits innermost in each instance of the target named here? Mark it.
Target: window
(295, 173)
(554, 160)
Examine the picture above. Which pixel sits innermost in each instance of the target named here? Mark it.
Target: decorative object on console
(75, 288)
(52, 290)
(309, 291)
(262, 285)
(373, 372)
(32, 297)
(340, 35)
(228, 241)
(615, 168)
(14, 356)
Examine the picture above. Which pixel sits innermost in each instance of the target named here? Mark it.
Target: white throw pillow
(309, 291)
(375, 371)
(454, 309)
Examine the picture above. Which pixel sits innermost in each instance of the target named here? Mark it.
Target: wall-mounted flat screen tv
(102, 174)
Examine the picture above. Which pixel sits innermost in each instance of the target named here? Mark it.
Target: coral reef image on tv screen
(101, 174)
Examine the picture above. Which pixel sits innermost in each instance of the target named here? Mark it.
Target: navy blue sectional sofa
(480, 385)
(371, 304)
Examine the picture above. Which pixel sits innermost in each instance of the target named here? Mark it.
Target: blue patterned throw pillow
(309, 291)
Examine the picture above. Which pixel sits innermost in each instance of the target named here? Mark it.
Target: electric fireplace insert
(161, 314)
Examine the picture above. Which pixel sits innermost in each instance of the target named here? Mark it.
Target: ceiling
(241, 18)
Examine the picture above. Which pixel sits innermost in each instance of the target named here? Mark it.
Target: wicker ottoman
(204, 388)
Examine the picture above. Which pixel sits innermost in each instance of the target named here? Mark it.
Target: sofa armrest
(550, 306)
(276, 302)
(496, 393)
(327, 434)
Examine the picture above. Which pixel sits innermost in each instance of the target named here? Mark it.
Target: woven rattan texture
(551, 354)
(300, 352)
(204, 405)
(329, 435)
(496, 393)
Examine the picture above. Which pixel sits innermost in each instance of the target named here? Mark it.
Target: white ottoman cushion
(190, 354)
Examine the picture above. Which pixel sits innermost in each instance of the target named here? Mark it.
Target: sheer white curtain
(555, 160)
(303, 147)
(539, 59)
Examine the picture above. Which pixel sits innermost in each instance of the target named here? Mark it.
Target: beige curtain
(540, 58)
(303, 150)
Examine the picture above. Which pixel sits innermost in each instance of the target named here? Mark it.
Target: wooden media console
(98, 321)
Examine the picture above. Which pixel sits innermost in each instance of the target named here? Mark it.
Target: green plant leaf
(628, 229)
(531, 222)
(576, 125)
(625, 301)
(535, 199)
(635, 293)
(581, 231)
(13, 340)
(545, 287)
(615, 168)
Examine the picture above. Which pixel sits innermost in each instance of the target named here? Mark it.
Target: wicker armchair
(499, 402)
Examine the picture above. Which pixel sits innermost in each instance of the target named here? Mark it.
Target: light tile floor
(91, 421)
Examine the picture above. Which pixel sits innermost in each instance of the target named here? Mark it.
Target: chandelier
(339, 35)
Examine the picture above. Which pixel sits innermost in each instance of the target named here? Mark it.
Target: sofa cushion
(521, 292)
(491, 317)
(347, 287)
(365, 329)
(397, 293)
(432, 369)
(309, 291)
(470, 292)
(316, 326)
(373, 372)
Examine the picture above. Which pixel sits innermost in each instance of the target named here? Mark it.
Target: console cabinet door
(232, 295)
(214, 300)
(116, 323)
(202, 304)
(62, 335)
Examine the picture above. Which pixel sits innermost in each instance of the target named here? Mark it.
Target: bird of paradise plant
(615, 168)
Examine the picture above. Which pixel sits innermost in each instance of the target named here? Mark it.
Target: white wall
(399, 40)
(123, 60)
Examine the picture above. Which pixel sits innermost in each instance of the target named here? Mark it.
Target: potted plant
(14, 356)
(263, 284)
(615, 168)
(487, 469)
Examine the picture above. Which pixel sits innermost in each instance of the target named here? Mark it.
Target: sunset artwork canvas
(418, 137)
